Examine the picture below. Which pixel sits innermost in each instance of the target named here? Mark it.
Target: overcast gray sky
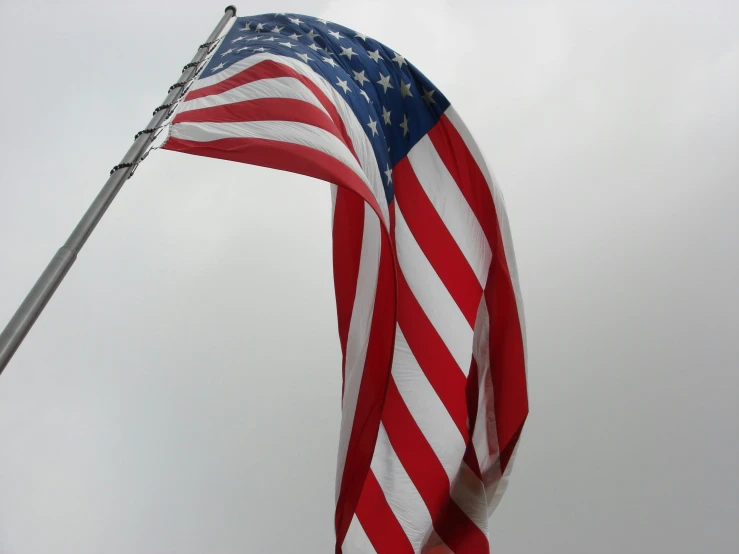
(181, 392)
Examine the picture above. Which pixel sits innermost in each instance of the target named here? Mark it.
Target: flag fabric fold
(430, 317)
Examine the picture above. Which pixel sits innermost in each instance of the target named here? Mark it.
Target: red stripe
(505, 339)
(371, 398)
(287, 156)
(379, 522)
(429, 478)
(436, 241)
(347, 249)
(270, 69)
(262, 109)
(432, 355)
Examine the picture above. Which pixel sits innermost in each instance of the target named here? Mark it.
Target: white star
(315, 47)
(335, 34)
(246, 27)
(277, 29)
(252, 38)
(227, 52)
(286, 44)
(219, 66)
(386, 115)
(400, 59)
(270, 39)
(343, 85)
(259, 27)
(375, 55)
(348, 52)
(322, 20)
(295, 36)
(384, 82)
(244, 48)
(330, 61)
(359, 77)
(405, 89)
(361, 35)
(303, 57)
(296, 21)
(389, 174)
(260, 49)
(312, 34)
(365, 95)
(372, 125)
(427, 96)
(404, 125)
(237, 39)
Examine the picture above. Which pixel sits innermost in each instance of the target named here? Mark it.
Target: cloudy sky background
(181, 391)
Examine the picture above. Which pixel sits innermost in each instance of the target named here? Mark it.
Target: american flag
(430, 317)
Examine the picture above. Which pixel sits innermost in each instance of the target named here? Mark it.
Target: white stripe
(500, 208)
(282, 131)
(360, 142)
(278, 87)
(356, 541)
(402, 496)
(433, 296)
(426, 407)
(334, 192)
(451, 206)
(359, 331)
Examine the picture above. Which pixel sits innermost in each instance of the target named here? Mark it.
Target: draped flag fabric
(430, 318)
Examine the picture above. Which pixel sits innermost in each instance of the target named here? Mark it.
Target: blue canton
(396, 104)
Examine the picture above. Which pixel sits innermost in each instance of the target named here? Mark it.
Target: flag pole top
(233, 10)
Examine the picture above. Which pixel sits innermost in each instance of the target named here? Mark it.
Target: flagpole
(47, 283)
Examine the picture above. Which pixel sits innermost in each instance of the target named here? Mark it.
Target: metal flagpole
(31, 308)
